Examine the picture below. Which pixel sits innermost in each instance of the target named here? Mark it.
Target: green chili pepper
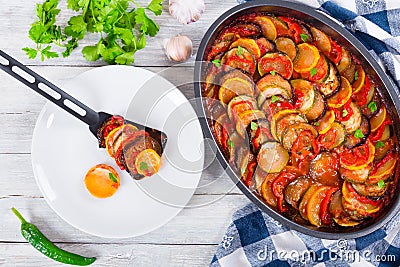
(32, 234)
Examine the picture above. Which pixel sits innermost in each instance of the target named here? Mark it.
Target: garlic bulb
(186, 11)
(178, 48)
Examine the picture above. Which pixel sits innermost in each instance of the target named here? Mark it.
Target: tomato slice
(340, 111)
(251, 167)
(324, 213)
(361, 96)
(361, 198)
(335, 55)
(279, 185)
(294, 29)
(377, 135)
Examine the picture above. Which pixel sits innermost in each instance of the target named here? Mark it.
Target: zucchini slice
(307, 58)
(345, 62)
(267, 26)
(342, 96)
(335, 136)
(266, 189)
(365, 128)
(305, 94)
(240, 104)
(272, 157)
(356, 176)
(332, 83)
(354, 122)
(340, 216)
(276, 80)
(271, 91)
(318, 109)
(234, 73)
(276, 62)
(282, 28)
(287, 46)
(326, 122)
(322, 71)
(244, 119)
(373, 190)
(293, 131)
(378, 119)
(277, 117)
(322, 40)
(305, 198)
(249, 44)
(233, 87)
(383, 172)
(314, 205)
(296, 189)
(285, 122)
(359, 79)
(239, 59)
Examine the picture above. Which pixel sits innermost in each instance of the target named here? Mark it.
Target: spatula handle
(48, 90)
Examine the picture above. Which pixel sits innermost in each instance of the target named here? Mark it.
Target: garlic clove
(186, 11)
(178, 48)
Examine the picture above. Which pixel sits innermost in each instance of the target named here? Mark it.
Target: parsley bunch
(122, 29)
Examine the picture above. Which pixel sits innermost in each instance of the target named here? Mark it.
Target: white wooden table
(190, 239)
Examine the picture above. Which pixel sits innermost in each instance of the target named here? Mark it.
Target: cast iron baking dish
(337, 32)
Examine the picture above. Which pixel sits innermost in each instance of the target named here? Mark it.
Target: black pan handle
(58, 96)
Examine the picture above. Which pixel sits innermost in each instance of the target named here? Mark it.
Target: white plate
(63, 150)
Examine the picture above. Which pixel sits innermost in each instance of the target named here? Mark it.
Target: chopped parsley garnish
(344, 113)
(379, 144)
(316, 123)
(372, 106)
(143, 166)
(304, 37)
(230, 143)
(113, 177)
(273, 72)
(217, 62)
(381, 184)
(358, 134)
(356, 75)
(239, 51)
(253, 126)
(313, 72)
(274, 98)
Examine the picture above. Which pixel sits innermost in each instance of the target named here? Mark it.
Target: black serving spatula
(92, 118)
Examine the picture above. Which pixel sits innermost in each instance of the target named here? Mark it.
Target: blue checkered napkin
(255, 239)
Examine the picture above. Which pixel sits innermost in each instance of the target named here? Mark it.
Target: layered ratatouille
(300, 121)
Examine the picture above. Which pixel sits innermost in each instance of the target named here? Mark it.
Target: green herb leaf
(304, 37)
(155, 6)
(379, 144)
(356, 75)
(143, 166)
(272, 72)
(274, 98)
(122, 29)
(217, 62)
(113, 177)
(358, 134)
(230, 143)
(316, 123)
(313, 72)
(344, 113)
(253, 126)
(381, 184)
(239, 51)
(147, 26)
(372, 106)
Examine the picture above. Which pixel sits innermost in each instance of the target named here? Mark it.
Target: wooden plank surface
(189, 239)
